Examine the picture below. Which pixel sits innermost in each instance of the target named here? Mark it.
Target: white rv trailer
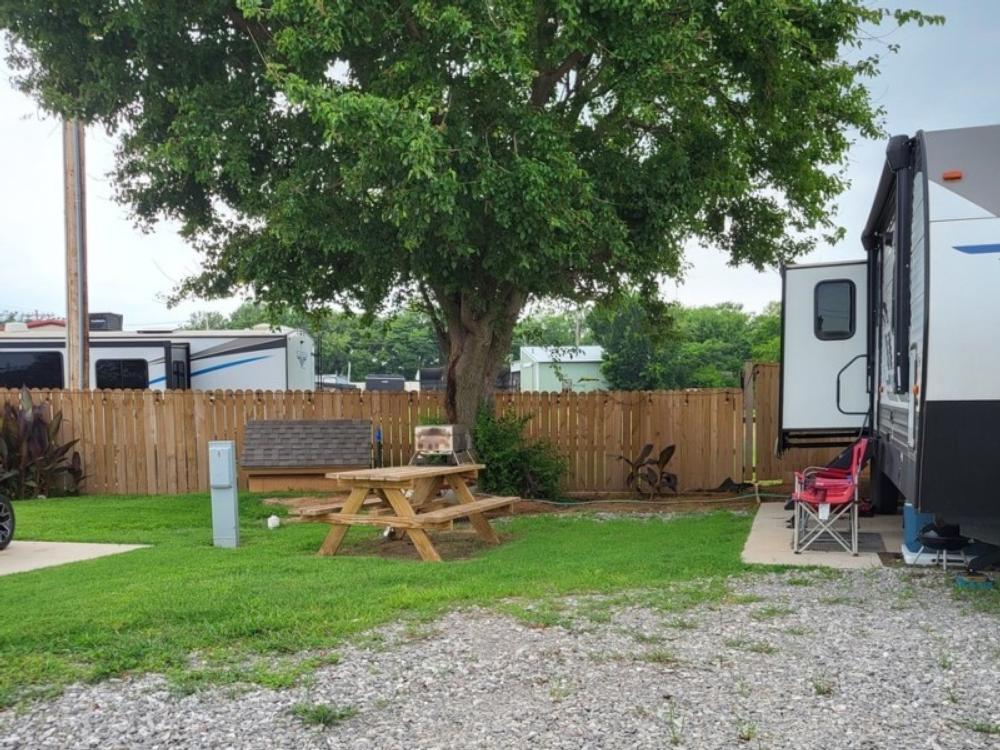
(266, 359)
(903, 345)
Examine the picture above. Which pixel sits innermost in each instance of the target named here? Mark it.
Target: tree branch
(440, 329)
(545, 82)
(255, 29)
(412, 30)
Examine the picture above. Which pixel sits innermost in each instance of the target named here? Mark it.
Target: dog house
(297, 454)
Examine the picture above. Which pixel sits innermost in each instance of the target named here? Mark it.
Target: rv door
(824, 397)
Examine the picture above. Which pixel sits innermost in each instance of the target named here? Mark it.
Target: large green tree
(471, 155)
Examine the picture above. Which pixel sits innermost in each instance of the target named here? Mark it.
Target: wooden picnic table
(415, 513)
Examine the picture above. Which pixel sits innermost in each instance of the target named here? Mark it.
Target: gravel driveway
(875, 659)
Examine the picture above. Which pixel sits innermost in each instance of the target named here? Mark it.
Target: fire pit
(450, 441)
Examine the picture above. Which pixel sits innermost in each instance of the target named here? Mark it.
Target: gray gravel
(874, 659)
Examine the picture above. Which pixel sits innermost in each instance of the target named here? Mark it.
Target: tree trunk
(478, 334)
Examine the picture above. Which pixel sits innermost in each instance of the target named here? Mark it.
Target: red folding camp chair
(823, 497)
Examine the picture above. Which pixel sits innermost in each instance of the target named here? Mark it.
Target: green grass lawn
(152, 609)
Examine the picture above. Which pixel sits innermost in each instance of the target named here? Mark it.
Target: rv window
(122, 373)
(31, 369)
(834, 306)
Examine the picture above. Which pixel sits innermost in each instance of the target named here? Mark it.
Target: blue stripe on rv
(213, 368)
(978, 249)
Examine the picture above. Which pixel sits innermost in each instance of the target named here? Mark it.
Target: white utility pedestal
(222, 480)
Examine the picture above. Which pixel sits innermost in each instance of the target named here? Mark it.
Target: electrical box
(222, 481)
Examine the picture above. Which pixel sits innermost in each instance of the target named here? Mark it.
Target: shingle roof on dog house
(295, 454)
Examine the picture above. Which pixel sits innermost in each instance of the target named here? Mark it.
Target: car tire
(6, 522)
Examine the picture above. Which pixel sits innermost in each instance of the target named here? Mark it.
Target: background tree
(469, 155)
(765, 334)
(208, 320)
(671, 346)
(19, 316)
(399, 343)
(710, 347)
(634, 335)
(558, 328)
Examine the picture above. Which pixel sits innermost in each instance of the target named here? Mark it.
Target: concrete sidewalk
(23, 556)
(770, 542)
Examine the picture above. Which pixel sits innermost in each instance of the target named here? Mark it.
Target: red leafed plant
(32, 460)
(648, 476)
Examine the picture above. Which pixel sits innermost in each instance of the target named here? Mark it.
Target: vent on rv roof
(15, 325)
(105, 321)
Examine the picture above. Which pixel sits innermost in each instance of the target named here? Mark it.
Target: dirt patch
(460, 544)
(701, 502)
(678, 504)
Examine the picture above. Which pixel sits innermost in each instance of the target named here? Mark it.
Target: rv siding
(963, 350)
(275, 361)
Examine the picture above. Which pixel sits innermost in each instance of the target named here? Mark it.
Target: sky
(942, 77)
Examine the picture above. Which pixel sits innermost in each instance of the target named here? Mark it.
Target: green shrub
(514, 464)
(32, 461)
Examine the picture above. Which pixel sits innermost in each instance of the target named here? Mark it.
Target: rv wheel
(6, 522)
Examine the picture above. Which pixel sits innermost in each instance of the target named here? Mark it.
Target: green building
(560, 368)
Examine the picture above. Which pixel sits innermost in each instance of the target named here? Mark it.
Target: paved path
(23, 556)
(770, 541)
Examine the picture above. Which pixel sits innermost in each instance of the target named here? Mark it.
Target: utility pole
(75, 206)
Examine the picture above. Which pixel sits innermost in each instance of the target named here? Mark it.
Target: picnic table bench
(411, 492)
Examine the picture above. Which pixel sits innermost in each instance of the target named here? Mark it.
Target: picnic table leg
(419, 537)
(478, 520)
(424, 491)
(351, 506)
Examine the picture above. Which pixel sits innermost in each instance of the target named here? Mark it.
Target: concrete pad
(23, 556)
(770, 541)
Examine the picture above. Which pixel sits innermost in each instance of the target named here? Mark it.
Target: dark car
(6, 522)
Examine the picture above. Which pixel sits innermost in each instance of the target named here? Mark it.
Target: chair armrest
(832, 472)
(807, 476)
(810, 470)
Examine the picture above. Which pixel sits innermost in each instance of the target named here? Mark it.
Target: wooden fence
(152, 442)
(593, 429)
